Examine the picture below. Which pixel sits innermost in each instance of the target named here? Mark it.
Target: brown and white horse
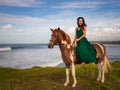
(69, 56)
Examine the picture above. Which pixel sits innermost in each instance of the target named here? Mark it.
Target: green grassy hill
(53, 78)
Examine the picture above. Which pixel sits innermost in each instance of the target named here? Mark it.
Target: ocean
(24, 56)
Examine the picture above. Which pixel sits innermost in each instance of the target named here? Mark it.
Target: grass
(53, 78)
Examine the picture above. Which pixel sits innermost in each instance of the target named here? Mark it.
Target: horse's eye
(53, 35)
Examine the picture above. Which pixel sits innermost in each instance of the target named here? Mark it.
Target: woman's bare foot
(82, 63)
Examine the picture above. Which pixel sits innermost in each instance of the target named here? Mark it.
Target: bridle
(57, 40)
(55, 43)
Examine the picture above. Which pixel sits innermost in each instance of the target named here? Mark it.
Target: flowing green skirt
(85, 52)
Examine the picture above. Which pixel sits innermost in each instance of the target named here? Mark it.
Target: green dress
(85, 52)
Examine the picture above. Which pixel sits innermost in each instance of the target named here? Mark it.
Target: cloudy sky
(29, 21)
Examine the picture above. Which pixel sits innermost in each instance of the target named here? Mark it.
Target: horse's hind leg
(99, 71)
(103, 72)
(101, 76)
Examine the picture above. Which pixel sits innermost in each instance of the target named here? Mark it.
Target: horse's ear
(51, 29)
(58, 28)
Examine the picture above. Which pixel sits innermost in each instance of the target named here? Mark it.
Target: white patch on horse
(65, 43)
(68, 46)
(71, 57)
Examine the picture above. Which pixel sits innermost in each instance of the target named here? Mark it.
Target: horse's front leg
(73, 74)
(67, 77)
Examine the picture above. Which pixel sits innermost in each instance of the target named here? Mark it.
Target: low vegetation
(53, 78)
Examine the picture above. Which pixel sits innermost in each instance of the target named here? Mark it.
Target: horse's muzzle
(50, 45)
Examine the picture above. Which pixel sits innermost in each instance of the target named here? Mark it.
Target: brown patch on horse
(100, 54)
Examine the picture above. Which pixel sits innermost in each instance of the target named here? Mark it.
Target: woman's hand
(77, 40)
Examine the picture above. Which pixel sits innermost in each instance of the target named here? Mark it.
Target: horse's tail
(107, 66)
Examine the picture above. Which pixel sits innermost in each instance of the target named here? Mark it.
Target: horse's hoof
(102, 81)
(66, 84)
(98, 79)
(74, 85)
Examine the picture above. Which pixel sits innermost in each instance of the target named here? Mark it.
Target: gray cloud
(9, 18)
(79, 4)
(21, 3)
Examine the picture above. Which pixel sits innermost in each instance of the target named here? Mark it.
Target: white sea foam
(5, 49)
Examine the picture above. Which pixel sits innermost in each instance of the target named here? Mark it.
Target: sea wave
(5, 49)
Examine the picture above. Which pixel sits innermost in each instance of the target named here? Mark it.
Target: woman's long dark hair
(84, 24)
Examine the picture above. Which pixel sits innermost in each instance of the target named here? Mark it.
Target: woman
(85, 52)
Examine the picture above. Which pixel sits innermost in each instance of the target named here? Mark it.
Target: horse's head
(54, 37)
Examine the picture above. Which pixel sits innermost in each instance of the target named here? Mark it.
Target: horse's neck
(64, 39)
(64, 44)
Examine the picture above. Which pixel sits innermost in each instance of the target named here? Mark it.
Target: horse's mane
(65, 36)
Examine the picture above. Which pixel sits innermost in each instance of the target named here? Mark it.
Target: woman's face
(80, 21)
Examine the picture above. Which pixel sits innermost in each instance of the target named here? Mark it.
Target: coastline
(107, 42)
